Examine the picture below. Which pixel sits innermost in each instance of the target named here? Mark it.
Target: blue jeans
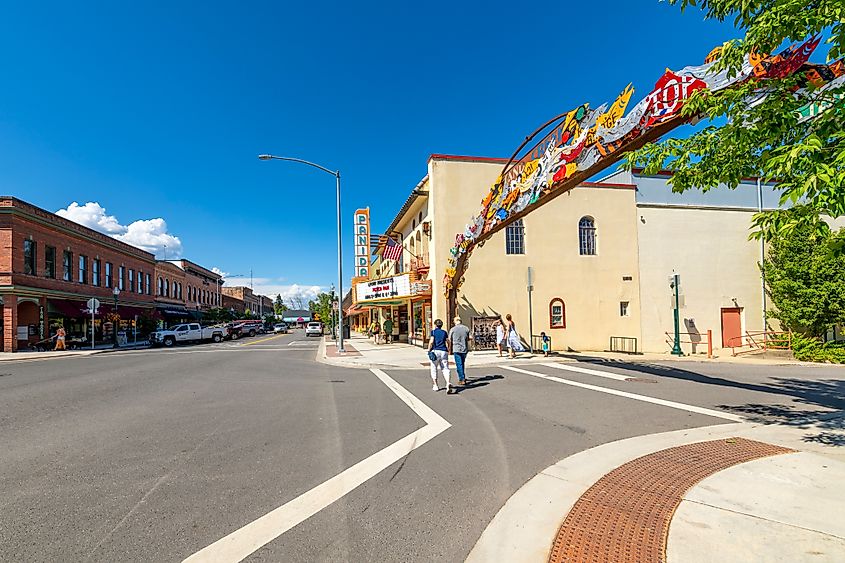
(460, 360)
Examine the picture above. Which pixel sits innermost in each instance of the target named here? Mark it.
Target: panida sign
(393, 287)
(362, 243)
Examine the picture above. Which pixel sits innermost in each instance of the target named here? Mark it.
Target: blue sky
(157, 110)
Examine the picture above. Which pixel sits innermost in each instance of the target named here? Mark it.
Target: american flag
(392, 250)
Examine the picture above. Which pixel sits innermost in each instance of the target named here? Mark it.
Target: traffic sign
(93, 304)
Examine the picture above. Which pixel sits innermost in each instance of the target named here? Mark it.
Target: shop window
(587, 236)
(515, 238)
(67, 265)
(50, 262)
(109, 274)
(557, 314)
(29, 257)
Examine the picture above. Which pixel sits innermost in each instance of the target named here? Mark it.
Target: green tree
(279, 305)
(322, 306)
(806, 281)
(767, 138)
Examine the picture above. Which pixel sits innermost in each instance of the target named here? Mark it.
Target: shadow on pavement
(476, 382)
(825, 393)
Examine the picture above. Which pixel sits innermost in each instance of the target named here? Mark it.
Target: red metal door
(731, 327)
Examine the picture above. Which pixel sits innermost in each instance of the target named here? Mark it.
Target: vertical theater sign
(362, 243)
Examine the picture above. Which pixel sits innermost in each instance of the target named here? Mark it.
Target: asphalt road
(152, 455)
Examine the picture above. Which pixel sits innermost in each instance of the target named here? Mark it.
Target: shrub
(809, 349)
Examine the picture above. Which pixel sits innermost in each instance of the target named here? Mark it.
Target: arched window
(160, 286)
(557, 313)
(515, 238)
(167, 287)
(587, 236)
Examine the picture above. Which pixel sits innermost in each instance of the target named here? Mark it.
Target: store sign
(40, 322)
(396, 286)
(421, 287)
(362, 242)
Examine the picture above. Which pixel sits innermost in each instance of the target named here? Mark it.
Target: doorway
(731, 327)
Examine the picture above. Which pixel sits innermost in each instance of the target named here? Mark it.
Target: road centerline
(244, 541)
(628, 395)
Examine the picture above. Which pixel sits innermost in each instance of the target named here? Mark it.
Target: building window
(108, 274)
(131, 279)
(515, 238)
(147, 284)
(140, 282)
(557, 314)
(160, 286)
(50, 262)
(29, 257)
(95, 271)
(83, 269)
(67, 265)
(121, 273)
(587, 236)
(180, 291)
(623, 309)
(167, 287)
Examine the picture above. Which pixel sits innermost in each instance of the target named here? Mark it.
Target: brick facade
(36, 290)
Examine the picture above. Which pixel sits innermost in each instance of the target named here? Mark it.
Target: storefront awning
(173, 311)
(79, 309)
(376, 304)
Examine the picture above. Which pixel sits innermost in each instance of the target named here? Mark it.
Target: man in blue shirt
(439, 355)
(459, 338)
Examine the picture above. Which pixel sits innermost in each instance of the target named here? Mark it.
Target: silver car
(314, 329)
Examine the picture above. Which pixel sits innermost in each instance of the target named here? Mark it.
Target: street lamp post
(336, 174)
(115, 324)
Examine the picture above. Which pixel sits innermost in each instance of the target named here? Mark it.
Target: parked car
(190, 332)
(280, 328)
(247, 328)
(315, 329)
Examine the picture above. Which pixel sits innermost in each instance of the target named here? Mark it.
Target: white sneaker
(435, 387)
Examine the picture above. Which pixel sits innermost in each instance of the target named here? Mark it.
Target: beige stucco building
(601, 256)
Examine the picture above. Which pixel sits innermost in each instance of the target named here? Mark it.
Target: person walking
(546, 343)
(60, 338)
(514, 344)
(500, 335)
(459, 338)
(438, 353)
(388, 330)
(375, 331)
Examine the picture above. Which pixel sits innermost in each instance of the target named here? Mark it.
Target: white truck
(189, 332)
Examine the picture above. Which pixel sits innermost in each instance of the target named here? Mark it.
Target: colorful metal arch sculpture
(583, 142)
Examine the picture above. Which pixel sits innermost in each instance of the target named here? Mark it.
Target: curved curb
(526, 526)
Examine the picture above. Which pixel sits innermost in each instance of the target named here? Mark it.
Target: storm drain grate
(625, 515)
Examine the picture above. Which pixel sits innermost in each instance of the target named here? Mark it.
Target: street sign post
(675, 285)
(93, 306)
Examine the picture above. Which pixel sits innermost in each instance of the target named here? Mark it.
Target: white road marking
(246, 540)
(606, 374)
(635, 396)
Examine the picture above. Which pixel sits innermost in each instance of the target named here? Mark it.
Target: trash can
(346, 331)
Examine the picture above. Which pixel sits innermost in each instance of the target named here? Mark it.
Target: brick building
(242, 299)
(170, 288)
(202, 286)
(50, 267)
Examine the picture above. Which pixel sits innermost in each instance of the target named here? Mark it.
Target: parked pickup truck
(190, 332)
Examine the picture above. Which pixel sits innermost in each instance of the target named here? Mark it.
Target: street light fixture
(336, 174)
(115, 324)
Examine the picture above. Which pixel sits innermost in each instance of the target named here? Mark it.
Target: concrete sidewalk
(406, 356)
(52, 354)
(782, 505)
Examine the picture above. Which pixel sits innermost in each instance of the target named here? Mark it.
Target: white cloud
(148, 234)
(92, 215)
(219, 272)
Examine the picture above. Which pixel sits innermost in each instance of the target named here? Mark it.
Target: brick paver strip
(331, 350)
(625, 515)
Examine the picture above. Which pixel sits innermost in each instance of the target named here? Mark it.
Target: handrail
(770, 341)
(670, 339)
